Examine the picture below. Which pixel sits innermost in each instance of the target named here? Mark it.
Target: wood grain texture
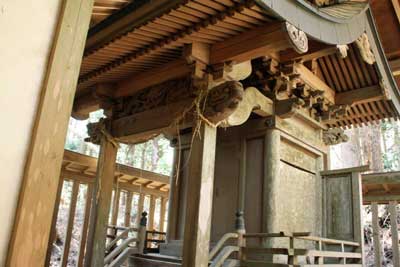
(36, 202)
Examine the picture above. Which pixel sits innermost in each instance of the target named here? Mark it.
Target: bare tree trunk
(143, 157)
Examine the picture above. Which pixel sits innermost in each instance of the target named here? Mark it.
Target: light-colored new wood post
(271, 175)
(85, 226)
(376, 235)
(162, 213)
(115, 205)
(200, 198)
(152, 210)
(142, 232)
(140, 209)
(101, 201)
(70, 224)
(128, 209)
(395, 232)
(32, 224)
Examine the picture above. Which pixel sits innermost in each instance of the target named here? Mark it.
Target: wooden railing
(152, 241)
(326, 251)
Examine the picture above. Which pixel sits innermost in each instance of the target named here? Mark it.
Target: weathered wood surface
(376, 235)
(395, 232)
(33, 219)
(101, 201)
(199, 200)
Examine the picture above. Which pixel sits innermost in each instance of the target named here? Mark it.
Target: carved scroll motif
(334, 136)
(298, 38)
(253, 101)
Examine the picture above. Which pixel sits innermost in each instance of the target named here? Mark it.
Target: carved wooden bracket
(334, 136)
(253, 101)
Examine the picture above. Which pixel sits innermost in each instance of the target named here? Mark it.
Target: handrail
(120, 236)
(302, 236)
(118, 261)
(220, 243)
(119, 249)
(223, 255)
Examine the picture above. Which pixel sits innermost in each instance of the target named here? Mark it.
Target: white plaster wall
(26, 34)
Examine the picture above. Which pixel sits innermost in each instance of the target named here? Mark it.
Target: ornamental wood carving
(298, 38)
(155, 96)
(334, 136)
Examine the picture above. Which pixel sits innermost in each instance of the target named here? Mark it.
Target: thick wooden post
(395, 232)
(101, 201)
(200, 197)
(376, 235)
(271, 176)
(32, 224)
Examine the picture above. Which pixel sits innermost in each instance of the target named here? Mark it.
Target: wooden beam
(395, 66)
(91, 162)
(361, 95)
(44, 157)
(261, 41)
(136, 14)
(395, 232)
(173, 70)
(196, 242)
(376, 235)
(315, 51)
(314, 81)
(381, 178)
(381, 199)
(101, 201)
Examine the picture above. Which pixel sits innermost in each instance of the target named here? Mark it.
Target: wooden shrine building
(251, 94)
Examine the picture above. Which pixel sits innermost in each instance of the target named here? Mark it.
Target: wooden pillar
(162, 213)
(395, 232)
(173, 204)
(84, 232)
(152, 210)
(32, 224)
(128, 209)
(271, 176)
(140, 209)
(376, 235)
(200, 197)
(54, 222)
(101, 201)
(70, 224)
(115, 206)
(242, 177)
